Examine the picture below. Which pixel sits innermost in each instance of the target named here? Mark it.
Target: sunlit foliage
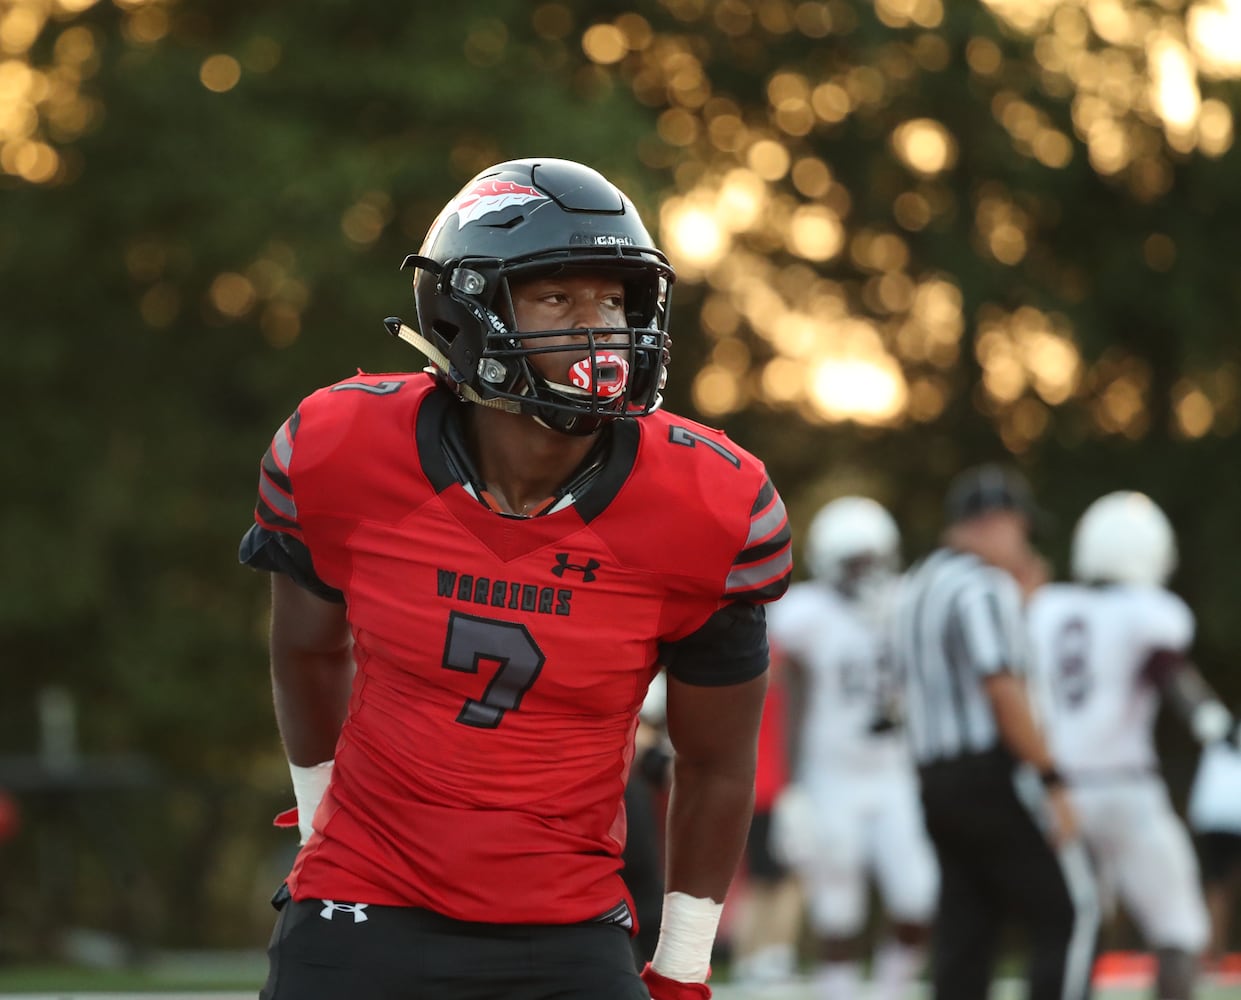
(812, 246)
(839, 279)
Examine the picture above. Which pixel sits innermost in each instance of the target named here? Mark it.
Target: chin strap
(398, 328)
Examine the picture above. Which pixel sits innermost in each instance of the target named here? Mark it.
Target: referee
(995, 807)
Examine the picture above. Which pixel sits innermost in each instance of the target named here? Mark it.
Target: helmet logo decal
(607, 372)
(488, 197)
(601, 240)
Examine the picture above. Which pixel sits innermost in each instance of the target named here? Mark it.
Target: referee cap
(985, 488)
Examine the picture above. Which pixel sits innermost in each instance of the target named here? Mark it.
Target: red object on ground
(1135, 970)
(10, 817)
(1132, 969)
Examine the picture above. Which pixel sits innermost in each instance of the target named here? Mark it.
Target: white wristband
(309, 784)
(1211, 721)
(686, 936)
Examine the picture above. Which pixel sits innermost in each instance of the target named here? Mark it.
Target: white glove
(792, 840)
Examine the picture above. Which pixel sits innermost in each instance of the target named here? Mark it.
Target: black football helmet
(526, 219)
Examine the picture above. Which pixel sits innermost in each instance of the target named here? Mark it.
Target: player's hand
(663, 988)
(1063, 829)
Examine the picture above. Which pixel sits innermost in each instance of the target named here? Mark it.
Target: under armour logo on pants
(356, 909)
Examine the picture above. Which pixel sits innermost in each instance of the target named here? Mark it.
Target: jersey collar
(440, 438)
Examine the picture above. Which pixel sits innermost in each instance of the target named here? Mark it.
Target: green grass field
(1003, 991)
(195, 973)
(237, 976)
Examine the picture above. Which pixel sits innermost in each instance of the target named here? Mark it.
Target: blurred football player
(509, 545)
(1108, 648)
(852, 812)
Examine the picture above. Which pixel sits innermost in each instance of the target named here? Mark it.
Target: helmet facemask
(621, 370)
(853, 546)
(527, 219)
(866, 580)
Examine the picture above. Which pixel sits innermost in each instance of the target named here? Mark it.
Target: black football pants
(998, 871)
(339, 951)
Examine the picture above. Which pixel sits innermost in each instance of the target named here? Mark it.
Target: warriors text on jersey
(501, 661)
(1094, 648)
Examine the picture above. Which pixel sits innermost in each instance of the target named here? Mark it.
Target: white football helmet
(853, 545)
(1124, 537)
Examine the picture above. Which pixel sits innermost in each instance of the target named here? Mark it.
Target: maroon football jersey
(501, 661)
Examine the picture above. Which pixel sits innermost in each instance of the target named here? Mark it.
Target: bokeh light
(220, 73)
(925, 146)
(760, 216)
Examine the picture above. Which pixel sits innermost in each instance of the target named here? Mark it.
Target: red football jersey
(501, 661)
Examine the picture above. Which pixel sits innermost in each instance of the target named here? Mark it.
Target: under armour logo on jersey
(563, 566)
(356, 909)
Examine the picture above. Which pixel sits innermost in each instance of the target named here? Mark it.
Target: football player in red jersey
(476, 572)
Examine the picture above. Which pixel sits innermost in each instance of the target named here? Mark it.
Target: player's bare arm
(714, 733)
(311, 670)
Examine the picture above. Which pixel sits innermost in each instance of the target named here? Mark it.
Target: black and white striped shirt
(955, 621)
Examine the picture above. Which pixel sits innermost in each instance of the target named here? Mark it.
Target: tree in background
(911, 234)
(926, 233)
